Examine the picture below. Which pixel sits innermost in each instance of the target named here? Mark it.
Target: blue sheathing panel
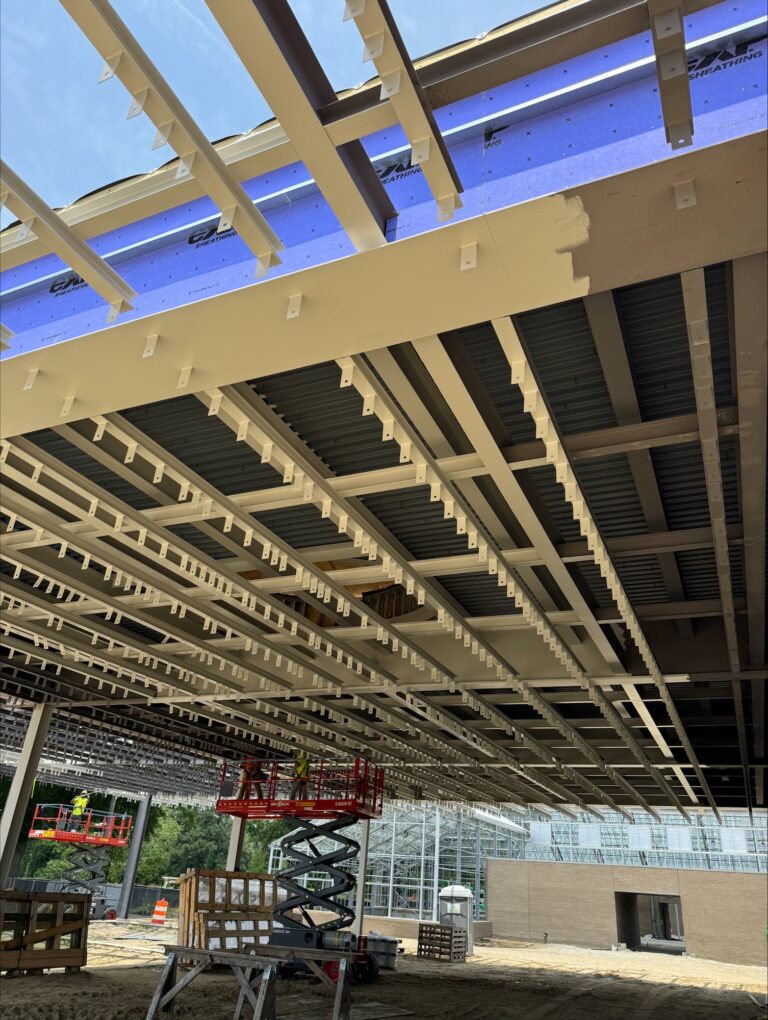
(596, 116)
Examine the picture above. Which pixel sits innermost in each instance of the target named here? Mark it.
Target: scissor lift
(89, 835)
(336, 796)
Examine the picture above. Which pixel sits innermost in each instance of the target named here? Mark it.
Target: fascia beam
(38, 218)
(697, 324)
(667, 19)
(151, 94)
(750, 315)
(611, 350)
(268, 39)
(400, 85)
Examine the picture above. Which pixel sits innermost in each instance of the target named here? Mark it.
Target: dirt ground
(503, 980)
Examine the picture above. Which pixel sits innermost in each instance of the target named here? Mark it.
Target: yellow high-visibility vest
(302, 768)
(80, 804)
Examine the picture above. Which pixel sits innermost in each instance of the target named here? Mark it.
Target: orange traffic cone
(161, 909)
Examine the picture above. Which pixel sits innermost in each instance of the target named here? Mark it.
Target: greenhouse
(404, 844)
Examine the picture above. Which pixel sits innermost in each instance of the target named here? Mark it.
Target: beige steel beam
(400, 85)
(37, 217)
(750, 316)
(266, 435)
(137, 576)
(611, 350)
(396, 427)
(5, 337)
(241, 719)
(535, 404)
(264, 35)
(398, 379)
(697, 323)
(150, 662)
(438, 363)
(355, 735)
(541, 39)
(151, 94)
(434, 294)
(259, 427)
(520, 456)
(667, 19)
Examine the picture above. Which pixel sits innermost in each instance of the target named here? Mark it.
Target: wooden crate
(442, 942)
(237, 895)
(42, 931)
(235, 932)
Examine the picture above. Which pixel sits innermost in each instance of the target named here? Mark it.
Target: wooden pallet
(442, 942)
(43, 931)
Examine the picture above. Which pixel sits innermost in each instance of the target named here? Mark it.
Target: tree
(257, 840)
(202, 841)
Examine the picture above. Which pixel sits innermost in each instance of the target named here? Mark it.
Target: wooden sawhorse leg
(164, 985)
(168, 987)
(265, 1006)
(341, 1004)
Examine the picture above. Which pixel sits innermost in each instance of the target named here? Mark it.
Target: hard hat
(83, 793)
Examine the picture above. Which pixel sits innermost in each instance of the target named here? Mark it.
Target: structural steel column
(129, 878)
(436, 875)
(423, 855)
(478, 853)
(21, 788)
(235, 849)
(391, 897)
(362, 868)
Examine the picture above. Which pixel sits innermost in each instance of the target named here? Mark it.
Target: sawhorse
(260, 991)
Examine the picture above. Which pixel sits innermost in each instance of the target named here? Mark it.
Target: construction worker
(79, 805)
(251, 778)
(300, 783)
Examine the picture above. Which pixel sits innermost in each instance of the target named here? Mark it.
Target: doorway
(650, 923)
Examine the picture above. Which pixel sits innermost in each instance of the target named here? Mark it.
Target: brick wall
(724, 914)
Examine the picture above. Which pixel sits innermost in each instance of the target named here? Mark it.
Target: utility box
(456, 907)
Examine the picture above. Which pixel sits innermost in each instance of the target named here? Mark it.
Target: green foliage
(258, 836)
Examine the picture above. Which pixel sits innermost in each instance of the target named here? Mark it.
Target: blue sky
(66, 135)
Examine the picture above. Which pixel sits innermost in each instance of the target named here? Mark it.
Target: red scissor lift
(335, 796)
(89, 835)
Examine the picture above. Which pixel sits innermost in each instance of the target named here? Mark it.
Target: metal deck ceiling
(328, 423)
(507, 562)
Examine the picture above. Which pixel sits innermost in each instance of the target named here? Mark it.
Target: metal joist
(269, 41)
(535, 404)
(697, 324)
(396, 427)
(151, 94)
(270, 438)
(38, 218)
(400, 85)
(614, 361)
(138, 577)
(750, 315)
(470, 418)
(667, 18)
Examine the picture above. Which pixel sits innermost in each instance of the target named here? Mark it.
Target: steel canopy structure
(482, 501)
